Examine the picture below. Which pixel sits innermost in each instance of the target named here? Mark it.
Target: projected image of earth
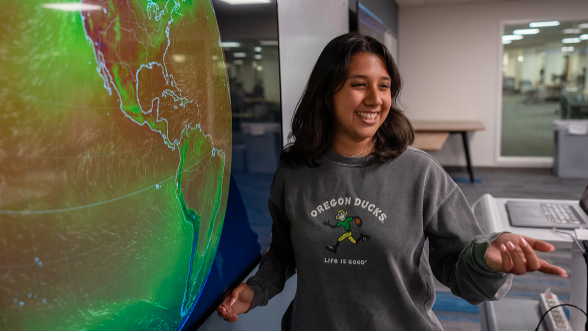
(115, 138)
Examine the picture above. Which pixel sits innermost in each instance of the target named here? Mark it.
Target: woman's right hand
(239, 302)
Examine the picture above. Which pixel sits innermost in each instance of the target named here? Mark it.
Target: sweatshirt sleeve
(277, 263)
(457, 248)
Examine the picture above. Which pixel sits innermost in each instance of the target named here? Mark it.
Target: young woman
(353, 203)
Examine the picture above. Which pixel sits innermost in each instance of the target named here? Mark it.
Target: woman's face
(363, 102)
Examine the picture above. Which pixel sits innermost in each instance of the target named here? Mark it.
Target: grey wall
(451, 65)
(305, 27)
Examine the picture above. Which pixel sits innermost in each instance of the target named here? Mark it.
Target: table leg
(466, 147)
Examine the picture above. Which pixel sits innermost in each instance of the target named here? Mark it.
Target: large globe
(115, 138)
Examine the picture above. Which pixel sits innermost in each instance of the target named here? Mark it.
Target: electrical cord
(559, 305)
(584, 249)
(475, 203)
(557, 231)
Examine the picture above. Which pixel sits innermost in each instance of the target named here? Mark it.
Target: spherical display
(115, 138)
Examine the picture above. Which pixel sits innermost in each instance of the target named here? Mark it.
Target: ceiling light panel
(230, 44)
(544, 24)
(526, 32)
(245, 2)
(71, 6)
(512, 37)
(570, 40)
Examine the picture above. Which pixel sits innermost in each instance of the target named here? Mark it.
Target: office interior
(499, 100)
(456, 66)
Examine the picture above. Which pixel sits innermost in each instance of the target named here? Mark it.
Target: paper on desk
(578, 128)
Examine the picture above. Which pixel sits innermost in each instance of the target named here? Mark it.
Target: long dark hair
(312, 124)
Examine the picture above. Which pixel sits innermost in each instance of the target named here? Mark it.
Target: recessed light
(245, 2)
(71, 6)
(238, 62)
(569, 31)
(512, 37)
(521, 58)
(230, 44)
(240, 55)
(544, 24)
(257, 57)
(583, 26)
(257, 49)
(506, 41)
(567, 49)
(526, 32)
(584, 37)
(570, 40)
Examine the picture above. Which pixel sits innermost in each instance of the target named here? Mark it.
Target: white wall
(305, 28)
(451, 62)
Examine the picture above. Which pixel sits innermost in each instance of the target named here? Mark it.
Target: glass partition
(543, 79)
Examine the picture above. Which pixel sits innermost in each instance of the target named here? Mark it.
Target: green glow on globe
(115, 145)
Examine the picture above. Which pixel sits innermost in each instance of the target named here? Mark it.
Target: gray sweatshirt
(355, 236)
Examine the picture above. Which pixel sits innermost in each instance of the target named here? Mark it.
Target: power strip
(556, 319)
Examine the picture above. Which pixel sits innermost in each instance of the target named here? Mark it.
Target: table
(431, 135)
(497, 220)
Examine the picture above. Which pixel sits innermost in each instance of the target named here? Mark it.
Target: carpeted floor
(527, 127)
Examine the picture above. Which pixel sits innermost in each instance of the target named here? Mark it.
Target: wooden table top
(430, 141)
(448, 126)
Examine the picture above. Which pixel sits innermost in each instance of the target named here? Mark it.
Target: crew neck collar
(336, 158)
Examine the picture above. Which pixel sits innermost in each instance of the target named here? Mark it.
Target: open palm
(513, 253)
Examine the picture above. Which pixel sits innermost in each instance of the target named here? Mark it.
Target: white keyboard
(560, 213)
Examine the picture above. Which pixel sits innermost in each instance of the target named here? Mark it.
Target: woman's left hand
(513, 253)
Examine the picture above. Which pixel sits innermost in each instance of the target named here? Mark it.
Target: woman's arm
(277, 265)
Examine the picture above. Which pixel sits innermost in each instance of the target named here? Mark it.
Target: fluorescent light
(257, 49)
(512, 37)
(257, 57)
(230, 44)
(506, 41)
(570, 40)
(583, 26)
(71, 6)
(245, 2)
(268, 42)
(544, 24)
(584, 37)
(567, 49)
(240, 55)
(526, 32)
(569, 31)
(238, 62)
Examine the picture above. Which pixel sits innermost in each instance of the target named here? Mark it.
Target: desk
(431, 135)
(497, 220)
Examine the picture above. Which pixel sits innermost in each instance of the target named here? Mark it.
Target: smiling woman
(352, 206)
(361, 104)
(350, 97)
